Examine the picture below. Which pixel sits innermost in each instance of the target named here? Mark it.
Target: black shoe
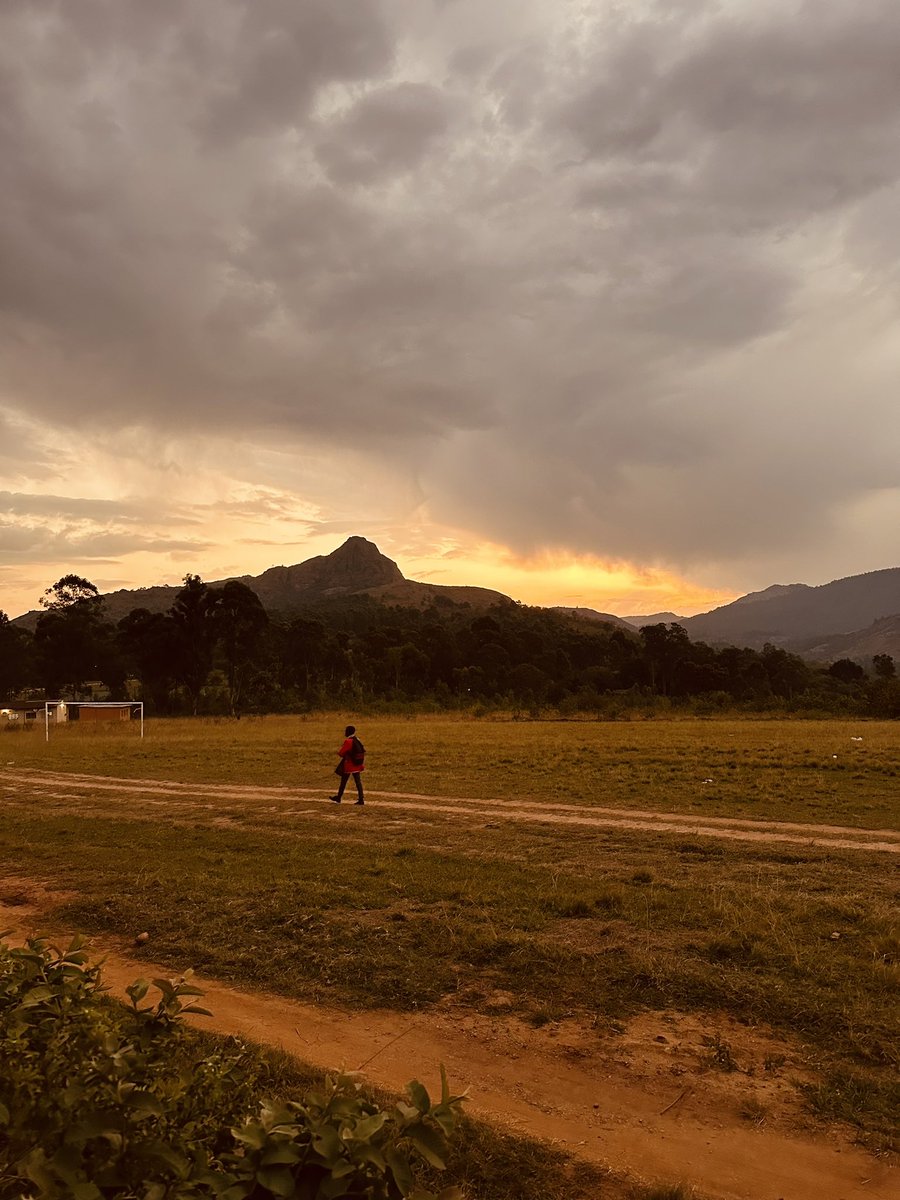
(358, 802)
(335, 799)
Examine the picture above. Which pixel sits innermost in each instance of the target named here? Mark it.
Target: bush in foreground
(99, 1100)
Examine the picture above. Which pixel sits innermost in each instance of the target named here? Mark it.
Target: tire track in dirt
(585, 1106)
(522, 811)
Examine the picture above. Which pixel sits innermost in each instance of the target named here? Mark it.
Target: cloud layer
(618, 280)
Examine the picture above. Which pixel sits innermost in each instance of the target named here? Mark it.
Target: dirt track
(219, 797)
(647, 1104)
(651, 1112)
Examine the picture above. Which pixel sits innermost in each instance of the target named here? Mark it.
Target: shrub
(100, 1100)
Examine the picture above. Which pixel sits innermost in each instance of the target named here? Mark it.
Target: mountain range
(855, 617)
(842, 619)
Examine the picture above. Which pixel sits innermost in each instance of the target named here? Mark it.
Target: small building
(92, 714)
(25, 712)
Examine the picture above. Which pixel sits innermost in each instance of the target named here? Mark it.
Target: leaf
(239, 1190)
(327, 1144)
(429, 1144)
(146, 1102)
(369, 1126)
(138, 990)
(281, 1154)
(253, 1136)
(162, 1152)
(96, 1122)
(279, 1180)
(86, 1191)
(400, 1169)
(419, 1096)
(195, 1008)
(332, 1189)
(37, 995)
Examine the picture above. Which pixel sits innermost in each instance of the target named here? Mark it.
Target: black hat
(349, 731)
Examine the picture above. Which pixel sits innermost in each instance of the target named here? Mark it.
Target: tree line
(218, 651)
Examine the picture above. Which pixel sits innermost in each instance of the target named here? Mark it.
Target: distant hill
(591, 614)
(881, 637)
(663, 618)
(784, 614)
(357, 568)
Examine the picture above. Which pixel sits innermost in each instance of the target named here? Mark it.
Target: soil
(671, 1098)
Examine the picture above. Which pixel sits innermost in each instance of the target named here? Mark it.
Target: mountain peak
(363, 563)
(355, 566)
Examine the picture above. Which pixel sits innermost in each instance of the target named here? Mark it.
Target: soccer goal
(59, 712)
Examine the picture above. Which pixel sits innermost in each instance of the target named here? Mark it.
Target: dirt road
(84, 790)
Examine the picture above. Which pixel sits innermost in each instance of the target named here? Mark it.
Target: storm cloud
(619, 280)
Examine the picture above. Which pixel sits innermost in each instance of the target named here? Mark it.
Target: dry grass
(413, 909)
(800, 770)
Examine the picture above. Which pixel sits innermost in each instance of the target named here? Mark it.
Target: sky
(592, 303)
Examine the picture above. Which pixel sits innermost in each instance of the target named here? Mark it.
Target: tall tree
(787, 673)
(847, 671)
(192, 613)
(666, 647)
(14, 657)
(70, 591)
(150, 643)
(73, 641)
(241, 623)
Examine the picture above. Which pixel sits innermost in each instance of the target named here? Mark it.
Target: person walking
(353, 759)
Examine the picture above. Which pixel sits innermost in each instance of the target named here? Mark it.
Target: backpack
(357, 753)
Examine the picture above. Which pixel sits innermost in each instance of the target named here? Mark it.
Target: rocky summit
(356, 566)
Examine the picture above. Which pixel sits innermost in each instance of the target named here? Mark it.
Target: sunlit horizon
(547, 580)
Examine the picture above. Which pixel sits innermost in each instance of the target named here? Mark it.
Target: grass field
(804, 770)
(407, 910)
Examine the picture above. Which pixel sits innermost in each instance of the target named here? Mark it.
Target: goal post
(62, 709)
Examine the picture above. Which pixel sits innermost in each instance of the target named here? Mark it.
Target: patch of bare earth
(194, 798)
(671, 1097)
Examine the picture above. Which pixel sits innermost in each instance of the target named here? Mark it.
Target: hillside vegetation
(218, 651)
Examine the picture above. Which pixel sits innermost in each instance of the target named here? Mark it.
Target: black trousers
(355, 775)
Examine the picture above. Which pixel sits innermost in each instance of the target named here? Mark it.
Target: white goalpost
(62, 708)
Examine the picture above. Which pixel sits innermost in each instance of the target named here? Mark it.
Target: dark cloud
(577, 272)
(126, 512)
(36, 544)
(388, 132)
(266, 75)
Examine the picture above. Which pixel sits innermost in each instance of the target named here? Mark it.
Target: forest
(218, 652)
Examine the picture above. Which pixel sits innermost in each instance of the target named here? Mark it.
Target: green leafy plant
(100, 1100)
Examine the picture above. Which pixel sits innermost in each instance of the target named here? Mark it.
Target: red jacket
(350, 768)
